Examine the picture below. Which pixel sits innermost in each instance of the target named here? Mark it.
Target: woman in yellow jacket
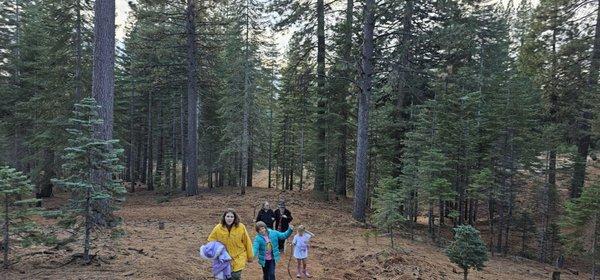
(234, 236)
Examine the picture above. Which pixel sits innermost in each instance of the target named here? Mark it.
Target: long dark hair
(236, 218)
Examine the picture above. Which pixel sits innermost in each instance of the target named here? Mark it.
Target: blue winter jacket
(260, 245)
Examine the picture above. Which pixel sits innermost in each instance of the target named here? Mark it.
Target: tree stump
(161, 225)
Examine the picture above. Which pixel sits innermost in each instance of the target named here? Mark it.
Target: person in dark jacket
(266, 215)
(283, 217)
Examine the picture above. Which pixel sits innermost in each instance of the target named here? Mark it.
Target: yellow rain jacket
(237, 242)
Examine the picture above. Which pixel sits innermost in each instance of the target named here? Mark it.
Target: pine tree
(362, 143)
(16, 207)
(467, 250)
(549, 54)
(582, 225)
(86, 155)
(525, 224)
(389, 197)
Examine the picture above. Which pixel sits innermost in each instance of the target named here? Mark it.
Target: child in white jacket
(301, 244)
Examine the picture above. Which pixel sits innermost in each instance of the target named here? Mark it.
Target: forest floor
(340, 250)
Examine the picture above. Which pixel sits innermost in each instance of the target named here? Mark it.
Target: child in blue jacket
(267, 254)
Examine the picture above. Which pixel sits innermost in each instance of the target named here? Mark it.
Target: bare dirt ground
(341, 249)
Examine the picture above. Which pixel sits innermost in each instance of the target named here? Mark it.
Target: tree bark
(594, 245)
(149, 147)
(174, 152)
(103, 91)
(144, 148)
(160, 150)
(103, 75)
(183, 141)
(6, 240)
(45, 184)
(246, 106)
(130, 160)
(250, 164)
(270, 147)
(191, 150)
(360, 185)
(302, 127)
(320, 168)
(78, 52)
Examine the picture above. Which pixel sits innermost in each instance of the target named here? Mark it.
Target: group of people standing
(230, 242)
(279, 219)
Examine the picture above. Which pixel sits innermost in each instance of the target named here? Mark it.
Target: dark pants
(269, 270)
(281, 245)
(236, 275)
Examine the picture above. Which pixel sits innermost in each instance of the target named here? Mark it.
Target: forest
(429, 127)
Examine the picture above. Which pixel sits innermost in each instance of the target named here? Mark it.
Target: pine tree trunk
(270, 148)
(320, 168)
(246, 109)
(103, 76)
(45, 184)
(149, 147)
(130, 160)
(301, 182)
(250, 164)
(491, 211)
(291, 183)
(465, 274)
(508, 220)
(174, 153)
(442, 210)
(191, 150)
(103, 91)
(183, 141)
(238, 166)
(138, 158)
(431, 221)
(584, 139)
(360, 185)
(552, 168)
(501, 225)
(595, 244)
(284, 157)
(302, 124)
(160, 150)
(545, 223)
(461, 195)
(5, 240)
(221, 179)
(78, 52)
(144, 148)
(341, 172)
